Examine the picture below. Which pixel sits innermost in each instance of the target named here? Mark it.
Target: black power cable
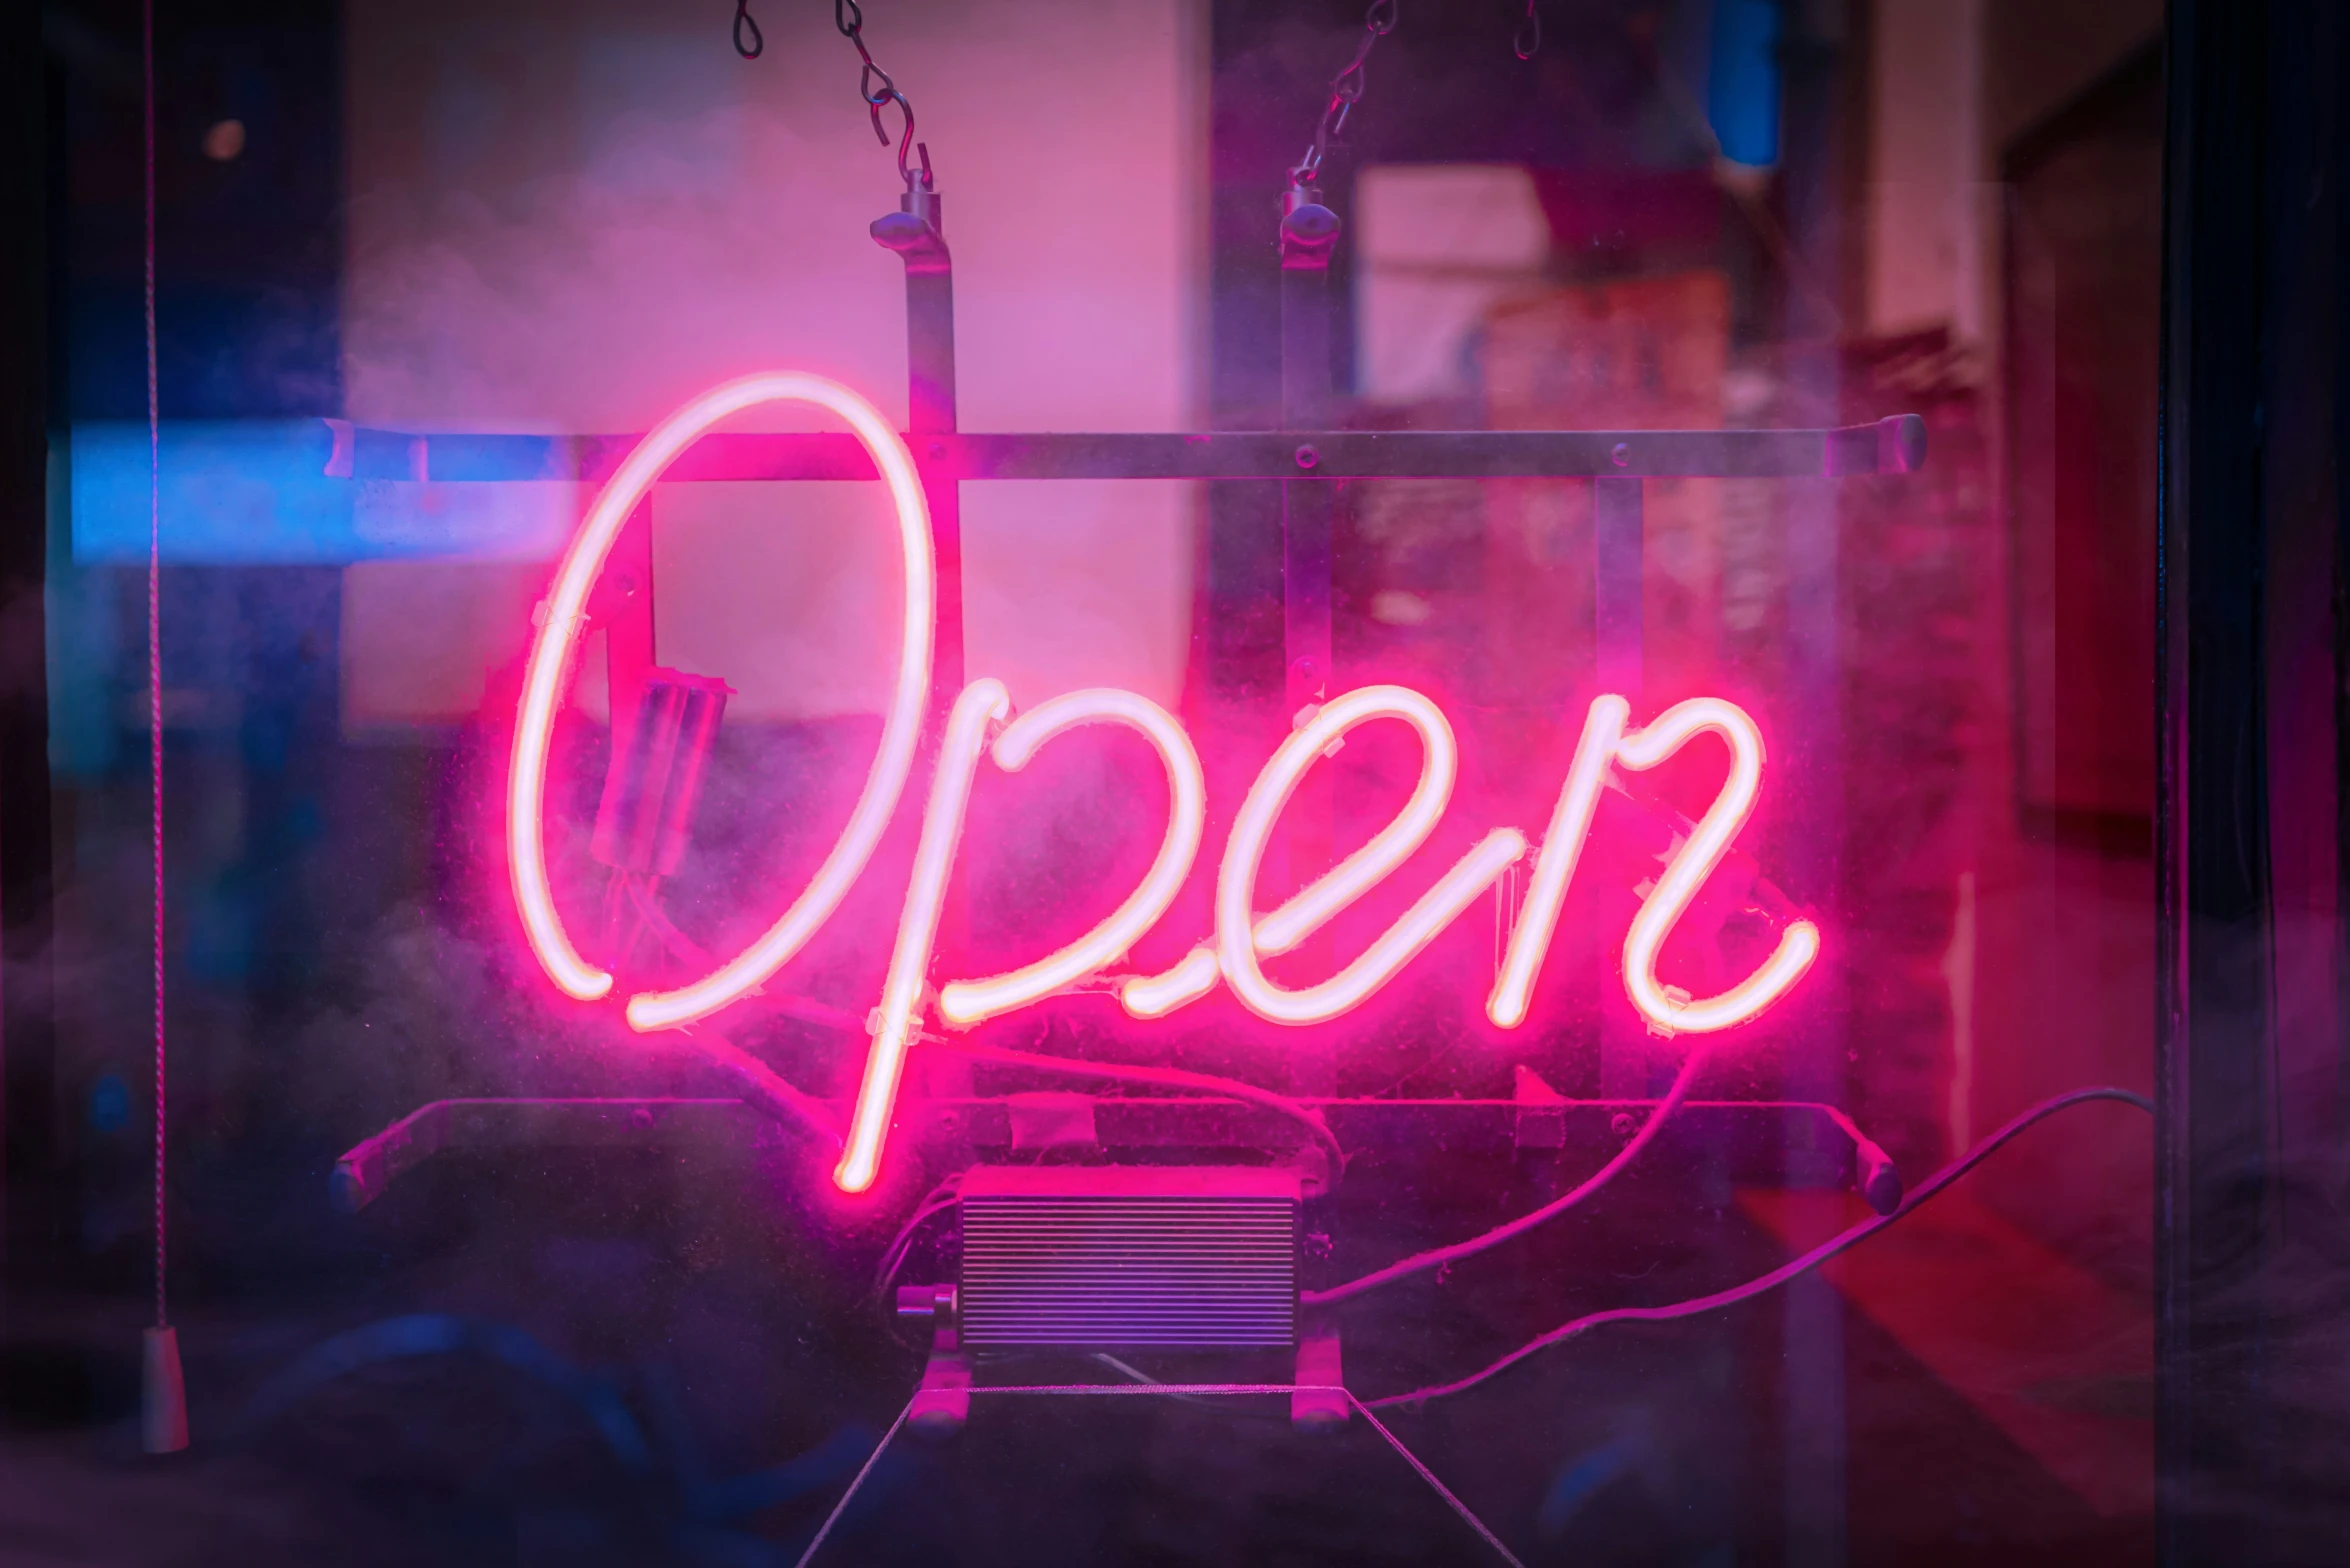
(1794, 1267)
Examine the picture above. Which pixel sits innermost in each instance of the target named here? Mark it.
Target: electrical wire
(154, 636)
(680, 945)
(1438, 1257)
(1186, 1392)
(767, 1088)
(1164, 1077)
(856, 1484)
(937, 1201)
(1785, 1271)
(1135, 1374)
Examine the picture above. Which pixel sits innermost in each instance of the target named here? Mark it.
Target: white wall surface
(1928, 200)
(573, 216)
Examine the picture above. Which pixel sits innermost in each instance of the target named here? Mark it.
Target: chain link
(743, 20)
(878, 91)
(1346, 90)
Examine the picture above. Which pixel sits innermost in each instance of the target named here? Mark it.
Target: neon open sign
(982, 725)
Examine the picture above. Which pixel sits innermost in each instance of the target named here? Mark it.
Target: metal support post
(1309, 230)
(1624, 1056)
(622, 608)
(915, 233)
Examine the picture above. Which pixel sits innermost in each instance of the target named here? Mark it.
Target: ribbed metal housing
(1106, 1258)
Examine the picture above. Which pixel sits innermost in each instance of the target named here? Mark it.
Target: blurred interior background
(569, 217)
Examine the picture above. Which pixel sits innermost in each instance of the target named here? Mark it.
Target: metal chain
(1346, 90)
(743, 20)
(1528, 43)
(876, 88)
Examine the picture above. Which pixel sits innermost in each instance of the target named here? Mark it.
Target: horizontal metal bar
(1894, 445)
(370, 1166)
(1756, 1137)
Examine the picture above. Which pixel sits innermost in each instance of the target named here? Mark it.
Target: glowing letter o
(559, 628)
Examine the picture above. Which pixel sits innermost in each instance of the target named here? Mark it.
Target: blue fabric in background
(255, 492)
(1742, 80)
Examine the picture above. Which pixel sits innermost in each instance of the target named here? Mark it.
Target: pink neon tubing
(1554, 868)
(982, 704)
(1798, 944)
(557, 638)
(1312, 906)
(972, 1001)
(1239, 938)
(1155, 996)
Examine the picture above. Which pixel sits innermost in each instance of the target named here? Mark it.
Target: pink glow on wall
(608, 242)
(552, 648)
(982, 704)
(1241, 937)
(971, 1001)
(1667, 1010)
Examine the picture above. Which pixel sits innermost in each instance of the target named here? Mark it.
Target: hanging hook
(1346, 90)
(878, 91)
(876, 98)
(744, 20)
(905, 134)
